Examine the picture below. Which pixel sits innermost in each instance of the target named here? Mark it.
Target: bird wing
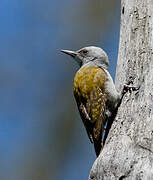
(91, 102)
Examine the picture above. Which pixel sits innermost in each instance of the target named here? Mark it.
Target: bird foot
(129, 88)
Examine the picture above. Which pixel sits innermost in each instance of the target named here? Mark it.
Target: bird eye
(84, 51)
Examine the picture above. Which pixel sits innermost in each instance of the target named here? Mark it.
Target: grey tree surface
(128, 152)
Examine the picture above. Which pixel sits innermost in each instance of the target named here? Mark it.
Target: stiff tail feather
(98, 145)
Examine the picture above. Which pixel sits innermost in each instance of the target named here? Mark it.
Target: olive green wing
(84, 113)
(92, 109)
(98, 107)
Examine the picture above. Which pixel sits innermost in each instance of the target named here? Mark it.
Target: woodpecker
(94, 91)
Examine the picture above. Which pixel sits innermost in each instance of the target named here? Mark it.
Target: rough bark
(128, 152)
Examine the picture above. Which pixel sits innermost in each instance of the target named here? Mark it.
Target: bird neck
(92, 63)
(103, 66)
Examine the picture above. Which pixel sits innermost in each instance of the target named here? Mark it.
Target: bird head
(89, 55)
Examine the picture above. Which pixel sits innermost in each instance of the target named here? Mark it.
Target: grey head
(89, 56)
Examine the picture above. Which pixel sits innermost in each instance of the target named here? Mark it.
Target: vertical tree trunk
(128, 152)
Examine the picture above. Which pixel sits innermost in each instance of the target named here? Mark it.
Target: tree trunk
(128, 151)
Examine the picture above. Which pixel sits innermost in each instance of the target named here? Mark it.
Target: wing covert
(91, 97)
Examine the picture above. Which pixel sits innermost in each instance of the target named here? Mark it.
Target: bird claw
(129, 88)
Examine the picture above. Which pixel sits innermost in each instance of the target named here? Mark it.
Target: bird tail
(98, 145)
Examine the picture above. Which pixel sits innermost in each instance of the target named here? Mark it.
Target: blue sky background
(41, 134)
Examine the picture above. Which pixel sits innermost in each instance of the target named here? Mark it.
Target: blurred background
(41, 133)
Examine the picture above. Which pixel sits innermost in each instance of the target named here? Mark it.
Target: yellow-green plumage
(89, 91)
(95, 92)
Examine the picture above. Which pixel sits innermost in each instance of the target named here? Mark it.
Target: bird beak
(70, 53)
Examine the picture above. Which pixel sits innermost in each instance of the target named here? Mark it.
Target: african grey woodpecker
(94, 91)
